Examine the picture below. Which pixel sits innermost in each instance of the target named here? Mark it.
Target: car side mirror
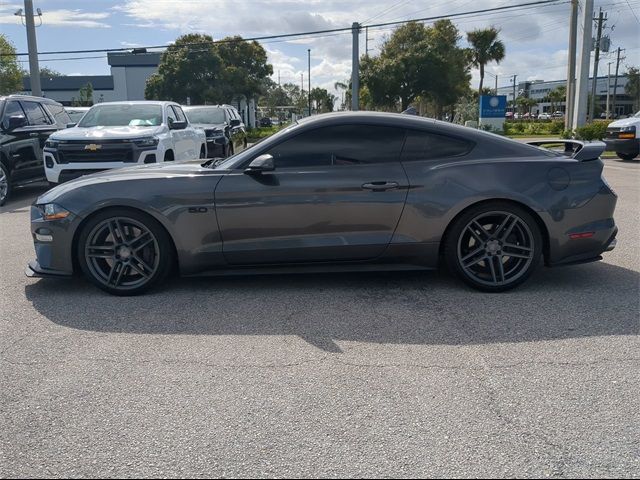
(235, 123)
(16, 121)
(260, 164)
(177, 125)
(71, 125)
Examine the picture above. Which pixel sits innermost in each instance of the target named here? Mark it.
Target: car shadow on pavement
(596, 299)
(23, 197)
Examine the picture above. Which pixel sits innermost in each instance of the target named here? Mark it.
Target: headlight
(146, 142)
(51, 143)
(216, 132)
(629, 128)
(51, 211)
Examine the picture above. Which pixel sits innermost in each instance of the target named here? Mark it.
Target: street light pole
(309, 92)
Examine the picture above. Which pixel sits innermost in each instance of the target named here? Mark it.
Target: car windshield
(123, 115)
(637, 115)
(205, 115)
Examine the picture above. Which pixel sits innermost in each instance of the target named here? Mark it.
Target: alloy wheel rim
(4, 185)
(122, 253)
(496, 248)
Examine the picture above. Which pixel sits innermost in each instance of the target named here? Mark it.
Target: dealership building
(129, 75)
(539, 90)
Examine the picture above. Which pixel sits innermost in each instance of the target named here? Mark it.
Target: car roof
(139, 102)
(488, 141)
(192, 107)
(17, 96)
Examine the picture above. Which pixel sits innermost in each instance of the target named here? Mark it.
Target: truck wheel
(627, 156)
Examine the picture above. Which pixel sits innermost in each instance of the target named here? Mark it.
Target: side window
(36, 114)
(13, 109)
(426, 146)
(171, 116)
(59, 113)
(179, 114)
(340, 145)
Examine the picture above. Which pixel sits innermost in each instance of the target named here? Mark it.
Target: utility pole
(592, 103)
(608, 85)
(34, 68)
(514, 95)
(615, 86)
(309, 92)
(355, 68)
(496, 84)
(301, 83)
(582, 74)
(571, 69)
(278, 77)
(366, 40)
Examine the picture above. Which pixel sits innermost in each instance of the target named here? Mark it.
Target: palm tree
(557, 95)
(485, 48)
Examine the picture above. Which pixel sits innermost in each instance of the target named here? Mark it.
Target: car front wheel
(124, 252)
(494, 247)
(5, 184)
(627, 156)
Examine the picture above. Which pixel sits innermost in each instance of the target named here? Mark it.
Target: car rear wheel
(5, 184)
(494, 247)
(124, 252)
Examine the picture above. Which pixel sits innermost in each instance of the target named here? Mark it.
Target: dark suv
(226, 134)
(25, 124)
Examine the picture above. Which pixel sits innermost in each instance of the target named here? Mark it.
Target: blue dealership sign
(493, 106)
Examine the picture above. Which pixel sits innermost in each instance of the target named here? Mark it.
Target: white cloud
(58, 18)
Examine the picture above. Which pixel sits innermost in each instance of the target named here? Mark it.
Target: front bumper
(627, 146)
(34, 270)
(216, 146)
(53, 257)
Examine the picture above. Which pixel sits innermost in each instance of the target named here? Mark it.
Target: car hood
(209, 126)
(625, 122)
(105, 133)
(137, 172)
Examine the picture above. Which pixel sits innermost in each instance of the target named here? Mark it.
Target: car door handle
(379, 186)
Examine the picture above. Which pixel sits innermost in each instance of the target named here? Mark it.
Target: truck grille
(107, 151)
(612, 132)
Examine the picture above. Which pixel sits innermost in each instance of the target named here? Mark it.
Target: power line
(632, 11)
(299, 34)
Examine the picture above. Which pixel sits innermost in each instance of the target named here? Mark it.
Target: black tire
(168, 156)
(501, 255)
(5, 184)
(627, 156)
(108, 257)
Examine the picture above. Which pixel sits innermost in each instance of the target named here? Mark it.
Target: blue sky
(536, 38)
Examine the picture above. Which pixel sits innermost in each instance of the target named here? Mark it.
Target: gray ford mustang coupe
(335, 192)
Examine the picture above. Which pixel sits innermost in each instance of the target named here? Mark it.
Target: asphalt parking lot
(394, 374)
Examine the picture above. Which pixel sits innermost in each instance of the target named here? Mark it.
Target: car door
(190, 136)
(336, 193)
(23, 146)
(41, 125)
(180, 143)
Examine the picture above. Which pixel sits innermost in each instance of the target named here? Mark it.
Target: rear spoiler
(578, 150)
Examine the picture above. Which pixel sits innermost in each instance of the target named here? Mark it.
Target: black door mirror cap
(177, 125)
(71, 125)
(235, 123)
(17, 121)
(260, 164)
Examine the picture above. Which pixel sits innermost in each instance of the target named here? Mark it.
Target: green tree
(85, 96)
(322, 99)
(208, 72)
(417, 61)
(46, 72)
(191, 67)
(244, 67)
(400, 73)
(632, 88)
(557, 95)
(526, 104)
(485, 48)
(10, 72)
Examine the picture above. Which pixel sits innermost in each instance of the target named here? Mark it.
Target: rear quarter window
(422, 145)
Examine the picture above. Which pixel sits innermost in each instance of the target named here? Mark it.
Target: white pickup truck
(623, 137)
(120, 134)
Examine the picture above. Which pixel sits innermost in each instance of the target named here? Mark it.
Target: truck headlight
(146, 142)
(51, 211)
(51, 143)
